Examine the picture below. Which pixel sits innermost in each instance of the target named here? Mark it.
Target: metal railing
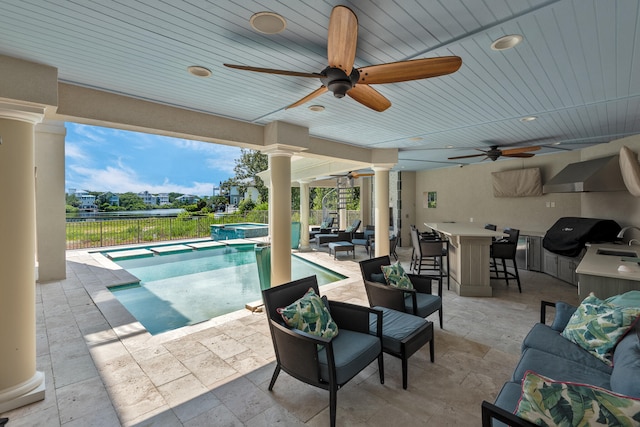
(95, 233)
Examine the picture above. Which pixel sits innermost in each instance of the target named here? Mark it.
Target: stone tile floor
(103, 369)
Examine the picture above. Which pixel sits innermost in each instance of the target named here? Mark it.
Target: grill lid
(569, 235)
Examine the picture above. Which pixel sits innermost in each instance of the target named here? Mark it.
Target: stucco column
(280, 216)
(381, 211)
(365, 201)
(304, 215)
(20, 383)
(50, 202)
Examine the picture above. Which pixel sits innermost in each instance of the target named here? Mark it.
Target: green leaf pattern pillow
(309, 314)
(597, 326)
(550, 403)
(396, 276)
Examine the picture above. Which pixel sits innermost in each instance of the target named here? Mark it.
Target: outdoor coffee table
(341, 247)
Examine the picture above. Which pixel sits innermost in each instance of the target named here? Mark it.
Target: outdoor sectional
(547, 353)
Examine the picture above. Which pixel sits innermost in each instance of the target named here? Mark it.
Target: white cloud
(73, 151)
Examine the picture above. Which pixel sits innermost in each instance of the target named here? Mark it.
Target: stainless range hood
(601, 174)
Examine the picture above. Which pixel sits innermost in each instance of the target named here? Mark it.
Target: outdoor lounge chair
(328, 363)
(419, 301)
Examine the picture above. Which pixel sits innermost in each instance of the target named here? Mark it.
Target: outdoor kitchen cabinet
(560, 267)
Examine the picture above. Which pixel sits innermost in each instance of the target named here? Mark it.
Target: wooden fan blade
(409, 70)
(369, 97)
(466, 157)
(273, 71)
(314, 94)
(520, 150)
(358, 175)
(519, 155)
(342, 38)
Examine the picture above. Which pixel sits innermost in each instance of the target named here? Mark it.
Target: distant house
(147, 198)
(250, 192)
(163, 199)
(114, 200)
(87, 201)
(188, 199)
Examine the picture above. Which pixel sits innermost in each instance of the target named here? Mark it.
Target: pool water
(181, 289)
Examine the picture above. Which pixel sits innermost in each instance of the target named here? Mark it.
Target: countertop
(467, 229)
(607, 265)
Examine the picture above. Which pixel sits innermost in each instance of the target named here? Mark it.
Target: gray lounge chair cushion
(396, 326)
(508, 399)
(427, 304)
(351, 349)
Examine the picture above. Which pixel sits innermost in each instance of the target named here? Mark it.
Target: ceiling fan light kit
(341, 78)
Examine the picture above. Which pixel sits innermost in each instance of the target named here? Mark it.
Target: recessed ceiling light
(268, 22)
(199, 71)
(316, 107)
(506, 42)
(448, 146)
(528, 119)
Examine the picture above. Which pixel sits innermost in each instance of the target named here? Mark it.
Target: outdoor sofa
(556, 379)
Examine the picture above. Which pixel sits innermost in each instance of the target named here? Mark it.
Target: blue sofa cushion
(625, 378)
(559, 368)
(544, 338)
(508, 399)
(378, 277)
(351, 349)
(427, 304)
(396, 326)
(564, 312)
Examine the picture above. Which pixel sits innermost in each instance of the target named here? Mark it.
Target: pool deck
(103, 369)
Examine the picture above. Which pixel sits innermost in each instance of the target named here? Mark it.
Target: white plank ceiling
(577, 70)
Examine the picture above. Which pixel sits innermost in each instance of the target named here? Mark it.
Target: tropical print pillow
(310, 314)
(598, 325)
(396, 276)
(551, 403)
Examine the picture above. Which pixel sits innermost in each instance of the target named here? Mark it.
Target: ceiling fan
(341, 78)
(494, 152)
(354, 174)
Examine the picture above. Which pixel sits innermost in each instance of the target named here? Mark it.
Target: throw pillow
(310, 314)
(628, 299)
(597, 326)
(396, 276)
(552, 403)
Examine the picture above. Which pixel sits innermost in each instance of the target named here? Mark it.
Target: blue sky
(105, 159)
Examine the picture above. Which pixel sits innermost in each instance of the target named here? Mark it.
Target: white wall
(465, 193)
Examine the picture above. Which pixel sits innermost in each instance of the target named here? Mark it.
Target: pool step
(171, 249)
(132, 253)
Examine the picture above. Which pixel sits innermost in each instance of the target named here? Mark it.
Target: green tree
(131, 202)
(72, 200)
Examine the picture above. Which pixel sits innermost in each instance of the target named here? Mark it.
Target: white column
(20, 383)
(280, 216)
(304, 215)
(381, 211)
(50, 203)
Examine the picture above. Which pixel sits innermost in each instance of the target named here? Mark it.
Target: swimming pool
(186, 287)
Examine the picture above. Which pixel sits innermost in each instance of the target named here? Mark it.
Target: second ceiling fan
(494, 152)
(341, 78)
